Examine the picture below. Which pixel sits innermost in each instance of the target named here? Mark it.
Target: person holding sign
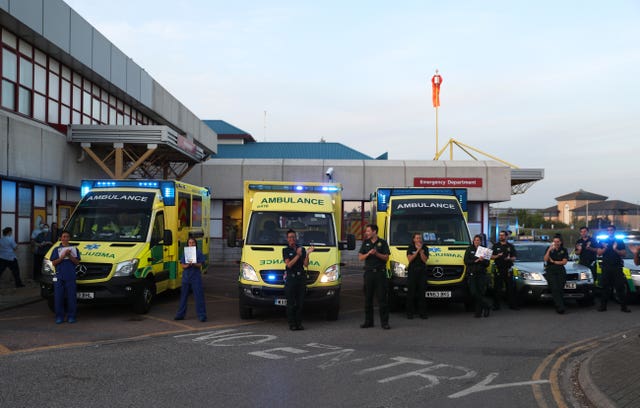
(191, 263)
(65, 258)
(476, 258)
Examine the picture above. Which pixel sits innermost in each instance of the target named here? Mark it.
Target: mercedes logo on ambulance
(81, 270)
(437, 272)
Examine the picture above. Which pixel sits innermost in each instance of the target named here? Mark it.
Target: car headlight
(399, 269)
(248, 273)
(585, 275)
(532, 276)
(331, 274)
(126, 268)
(47, 268)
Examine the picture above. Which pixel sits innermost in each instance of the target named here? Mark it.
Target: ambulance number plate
(438, 294)
(85, 295)
(281, 302)
(570, 285)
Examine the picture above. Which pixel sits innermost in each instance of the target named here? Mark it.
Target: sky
(544, 84)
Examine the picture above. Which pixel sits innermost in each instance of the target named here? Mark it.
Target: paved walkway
(609, 375)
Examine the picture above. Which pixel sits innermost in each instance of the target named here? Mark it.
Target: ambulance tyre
(245, 311)
(333, 310)
(395, 302)
(142, 303)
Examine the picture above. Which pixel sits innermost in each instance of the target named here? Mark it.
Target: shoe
(58, 321)
(386, 326)
(602, 309)
(299, 327)
(625, 309)
(293, 327)
(178, 318)
(366, 325)
(424, 316)
(486, 311)
(203, 319)
(71, 320)
(409, 316)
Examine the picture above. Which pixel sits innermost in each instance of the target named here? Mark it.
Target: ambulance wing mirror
(349, 244)
(167, 237)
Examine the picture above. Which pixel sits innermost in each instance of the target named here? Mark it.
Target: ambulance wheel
(245, 311)
(333, 310)
(142, 304)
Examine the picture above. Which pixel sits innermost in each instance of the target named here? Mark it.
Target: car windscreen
(270, 228)
(530, 253)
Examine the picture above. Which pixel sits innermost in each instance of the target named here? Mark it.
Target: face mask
(45, 229)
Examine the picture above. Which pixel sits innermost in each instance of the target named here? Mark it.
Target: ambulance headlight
(331, 274)
(399, 269)
(126, 268)
(248, 273)
(47, 268)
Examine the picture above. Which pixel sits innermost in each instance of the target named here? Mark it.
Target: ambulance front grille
(93, 271)
(275, 277)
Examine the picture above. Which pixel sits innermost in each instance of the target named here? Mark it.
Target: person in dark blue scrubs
(65, 258)
(192, 280)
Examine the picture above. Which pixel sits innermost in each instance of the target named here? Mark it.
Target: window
(24, 101)
(8, 94)
(26, 72)
(184, 212)
(9, 65)
(39, 86)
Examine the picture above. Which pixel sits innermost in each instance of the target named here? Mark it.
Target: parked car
(634, 270)
(528, 273)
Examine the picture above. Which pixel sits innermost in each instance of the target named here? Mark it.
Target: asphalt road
(115, 358)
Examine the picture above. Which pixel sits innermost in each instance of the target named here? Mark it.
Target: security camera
(329, 173)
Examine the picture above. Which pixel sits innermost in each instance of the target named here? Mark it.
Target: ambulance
(439, 215)
(314, 212)
(130, 235)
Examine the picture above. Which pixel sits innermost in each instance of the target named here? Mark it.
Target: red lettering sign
(447, 182)
(186, 145)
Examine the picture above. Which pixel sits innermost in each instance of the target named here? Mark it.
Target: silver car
(528, 273)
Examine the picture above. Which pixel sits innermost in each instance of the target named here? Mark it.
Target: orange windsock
(436, 81)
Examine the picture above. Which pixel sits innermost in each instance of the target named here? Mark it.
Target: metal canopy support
(521, 179)
(138, 151)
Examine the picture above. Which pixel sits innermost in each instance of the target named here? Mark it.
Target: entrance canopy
(138, 151)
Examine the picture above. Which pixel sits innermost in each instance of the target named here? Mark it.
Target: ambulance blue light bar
(602, 237)
(167, 188)
(385, 194)
(297, 188)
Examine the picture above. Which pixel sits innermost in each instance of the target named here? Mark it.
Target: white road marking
(482, 386)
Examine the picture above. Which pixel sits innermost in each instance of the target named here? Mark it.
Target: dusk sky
(550, 85)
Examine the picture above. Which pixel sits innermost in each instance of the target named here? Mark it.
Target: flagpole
(436, 132)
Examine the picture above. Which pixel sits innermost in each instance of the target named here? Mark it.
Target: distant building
(568, 202)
